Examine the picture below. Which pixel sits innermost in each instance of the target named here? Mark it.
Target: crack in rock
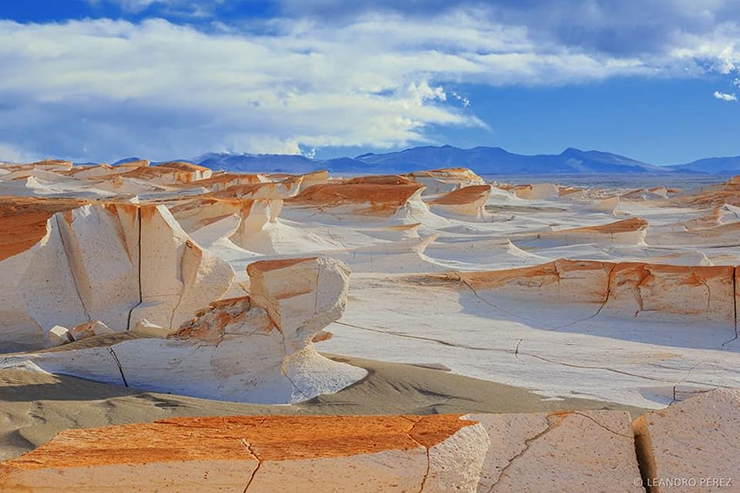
(550, 427)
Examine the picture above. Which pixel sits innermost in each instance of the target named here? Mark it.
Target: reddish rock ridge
(626, 232)
(464, 195)
(54, 164)
(283, 189)
(469, 202)
(270, 438)
(437, 453)
(184, 166)
(714, 196)
(455, 173)
(623, 289)
(380, 180)
(259, 454)
(624, 226)
(445, 179)
(379, 199)
(172, 174)
(23, 221)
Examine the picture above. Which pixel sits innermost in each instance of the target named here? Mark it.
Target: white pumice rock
(59, 335)
(146, 327)
(538, 191)
(251, 349)
(114, 263)
(559, 452)
(692, 445)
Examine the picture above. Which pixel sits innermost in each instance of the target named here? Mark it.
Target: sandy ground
(35, 406)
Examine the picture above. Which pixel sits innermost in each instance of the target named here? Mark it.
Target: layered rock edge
(692, 441)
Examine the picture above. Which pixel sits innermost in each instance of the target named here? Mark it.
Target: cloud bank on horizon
(166, 78)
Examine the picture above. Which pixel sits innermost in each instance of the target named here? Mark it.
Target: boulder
(59, 335)
(90, 329)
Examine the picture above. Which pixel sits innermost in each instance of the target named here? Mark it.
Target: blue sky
(98, 80)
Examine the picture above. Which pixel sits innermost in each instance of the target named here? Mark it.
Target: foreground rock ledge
(697, 440)
(482, 453)
(259, 454)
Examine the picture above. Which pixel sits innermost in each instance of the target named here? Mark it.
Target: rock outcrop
(69, 264)
(468, 202)
(692, 445)
(252, 349)
(362, 454)
(359, 199)
(538, 191)
(625, 232)
(253, 214)
(623, 289)
(446, 179)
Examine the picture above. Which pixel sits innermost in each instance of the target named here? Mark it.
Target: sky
(101, 80)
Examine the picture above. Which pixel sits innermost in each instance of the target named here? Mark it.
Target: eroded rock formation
(468, 202)
(360, 199)
(625, 289)
(251, 349)
(446, 179)
(68, 263)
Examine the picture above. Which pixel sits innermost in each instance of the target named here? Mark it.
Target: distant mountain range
(482, 160)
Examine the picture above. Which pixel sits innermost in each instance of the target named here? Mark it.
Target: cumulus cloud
(725, 96)
(99, 89)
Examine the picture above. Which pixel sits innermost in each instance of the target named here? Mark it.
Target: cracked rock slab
(695, 440)
(559, 452)
(259, 455)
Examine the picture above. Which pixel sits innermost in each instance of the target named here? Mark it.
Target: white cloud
(190, 7)
(104, 89)
(725, 96)
(12, 154)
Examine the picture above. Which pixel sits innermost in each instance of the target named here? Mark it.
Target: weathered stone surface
(301, 295)
(113, 263)
(259, 455)
(361, 199)
(559, 452)
(468, 202)
(625, 232)
(59, 335)
(538, 191)
(90, 329)
(446, 179)
(624, 289)
(692, 445)
(250, 349)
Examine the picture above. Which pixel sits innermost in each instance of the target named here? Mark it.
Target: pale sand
(36, 406)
